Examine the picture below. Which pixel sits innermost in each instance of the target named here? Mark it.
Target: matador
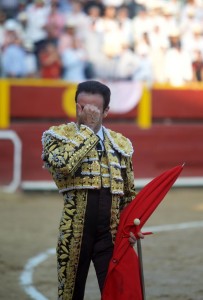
(92, 168)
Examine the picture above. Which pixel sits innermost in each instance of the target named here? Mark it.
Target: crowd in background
(155, 41)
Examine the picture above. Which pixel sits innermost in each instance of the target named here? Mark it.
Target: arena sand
(173, 260)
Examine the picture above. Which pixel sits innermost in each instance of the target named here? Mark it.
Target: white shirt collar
(100, 133)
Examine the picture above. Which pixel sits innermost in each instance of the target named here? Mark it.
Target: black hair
(94, 87)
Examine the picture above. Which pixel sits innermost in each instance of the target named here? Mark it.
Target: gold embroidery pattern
(69, 241)
(65, 154)
(122, 144)
(76, 167)
(129, 186)
(115, 215)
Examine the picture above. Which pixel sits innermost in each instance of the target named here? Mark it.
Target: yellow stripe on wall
(4, 104)
(144, 113)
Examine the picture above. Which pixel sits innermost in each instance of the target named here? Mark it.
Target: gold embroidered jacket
(70, 156)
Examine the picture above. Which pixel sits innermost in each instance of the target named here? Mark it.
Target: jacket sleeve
(129, 185)
(65, 154)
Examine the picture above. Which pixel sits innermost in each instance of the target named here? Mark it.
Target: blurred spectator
(94, 3)
(79, 17)
(197, 66)
(189, 10)
(2, 21)
(74, 61)
(187, 22)
(93, 42)
(50, 62)
(143, 71)
(134, 7)
(157, 56)
(175, 6)
(178, 65)
(67, 37)
(9, 7)
(115, 3)
(107, 22)
(141, 24)
(30, 60)
(11, 31)
(169, 14)
(143, 40)
(65, 5)
(105, 31)
(109, 29)
(194, 40)
(22, 5)
(112, 43)
(125, 24)
(154, 46)
(56, 18)
(51, 34)
(37, 16)
(93, 14)
(13, 60)
(127, 63)
(22, 20)
(157, 38)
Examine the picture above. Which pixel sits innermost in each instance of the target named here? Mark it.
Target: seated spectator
(11, 31)
(37, 15)
(93, 40)
(126, 64)
(193, 40)
(108, 22)
(178, 65)
(66, 38)
(80, 18)
(30, 60)
(125, 24)
(143, 71)
(56, 19)
(13, 60)
(141, 23)
(50, 62)
(74, 61)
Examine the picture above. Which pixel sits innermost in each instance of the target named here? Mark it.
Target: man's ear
(78, 108)
(106, 112)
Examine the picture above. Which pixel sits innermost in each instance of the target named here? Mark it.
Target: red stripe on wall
(156, 149)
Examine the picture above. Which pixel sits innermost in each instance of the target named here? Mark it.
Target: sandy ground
(173, 260)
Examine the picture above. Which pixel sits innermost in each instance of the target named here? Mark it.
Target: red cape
(123, 277)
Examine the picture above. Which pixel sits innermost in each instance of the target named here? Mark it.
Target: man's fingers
(132, 239)
(141, 235)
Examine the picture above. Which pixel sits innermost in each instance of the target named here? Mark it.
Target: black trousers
(97, 245)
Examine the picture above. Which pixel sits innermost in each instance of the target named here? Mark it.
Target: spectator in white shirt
(37, 16)
(178, 64)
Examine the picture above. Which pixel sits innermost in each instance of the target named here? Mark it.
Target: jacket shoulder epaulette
(62, 132)
(121, 143)
(65, 130)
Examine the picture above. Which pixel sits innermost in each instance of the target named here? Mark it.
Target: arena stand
(165, 125)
